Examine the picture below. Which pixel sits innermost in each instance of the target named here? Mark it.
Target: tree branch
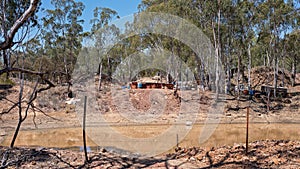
(8, 43)
(15, 69)
(41, 74)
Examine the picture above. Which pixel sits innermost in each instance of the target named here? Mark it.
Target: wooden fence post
(83, 131)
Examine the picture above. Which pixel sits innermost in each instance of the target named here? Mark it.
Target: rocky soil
(261, 154)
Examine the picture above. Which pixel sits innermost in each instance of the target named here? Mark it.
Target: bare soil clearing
(61, 128)
(65, 116)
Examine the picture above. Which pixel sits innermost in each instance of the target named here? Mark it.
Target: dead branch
(21, 70)
(32, 98)
(20, 159)
(44, 113)
(4, 158)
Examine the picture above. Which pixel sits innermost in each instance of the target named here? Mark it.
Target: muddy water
(225, 134)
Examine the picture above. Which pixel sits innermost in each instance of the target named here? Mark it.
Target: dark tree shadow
(5, 91)
(18, 156)
(259, 156)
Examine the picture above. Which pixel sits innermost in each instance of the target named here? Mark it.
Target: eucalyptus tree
(242, 25)
(183, 9)
(16, 18)
(101, 33)
(62, 34)
(276, 18)
(293, 53)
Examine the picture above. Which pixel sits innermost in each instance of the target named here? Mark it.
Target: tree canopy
(245, 34)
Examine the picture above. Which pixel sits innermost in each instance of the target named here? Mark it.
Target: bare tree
(8, 37)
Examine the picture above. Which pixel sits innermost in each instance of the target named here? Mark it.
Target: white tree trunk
(249, 66)
(8, 42)
(100, 77)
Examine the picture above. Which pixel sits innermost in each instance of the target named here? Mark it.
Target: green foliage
(260, 24)
(61, 36)
(268, 29)
(12, 10)
(6, 81)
